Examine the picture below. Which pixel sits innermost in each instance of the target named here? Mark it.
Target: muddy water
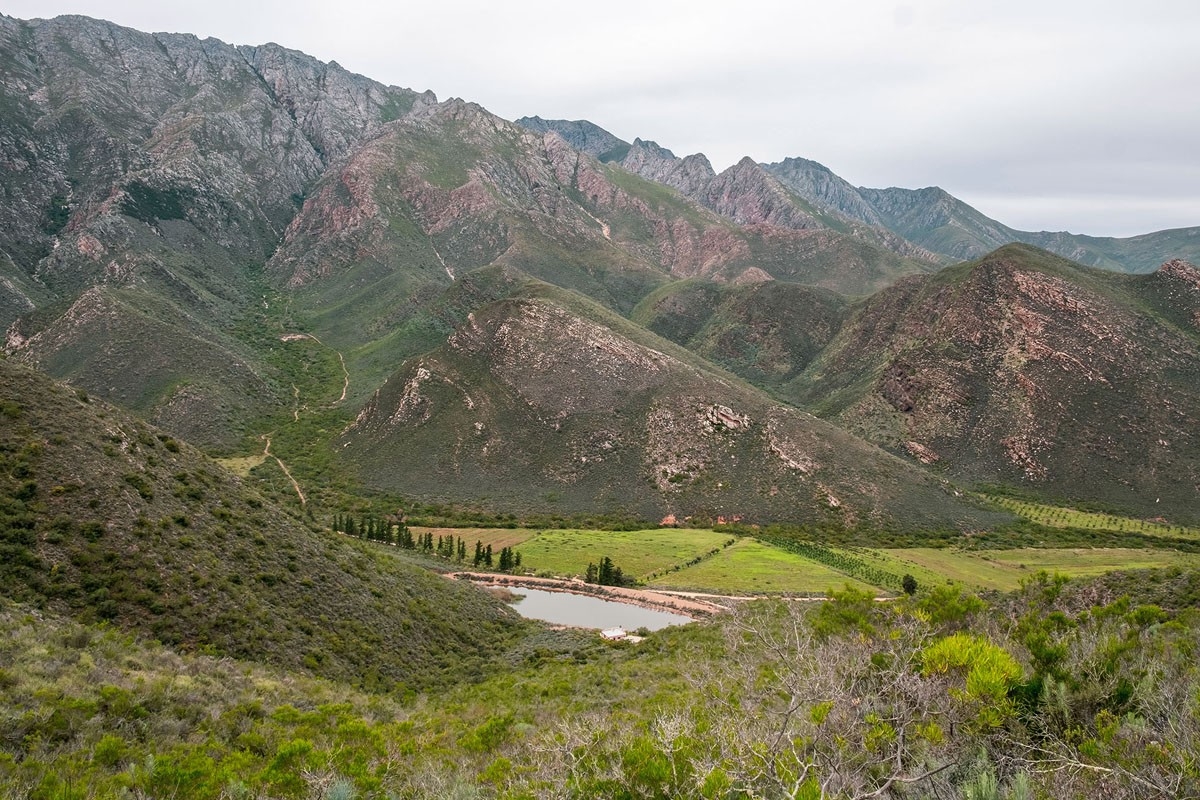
(582, 611)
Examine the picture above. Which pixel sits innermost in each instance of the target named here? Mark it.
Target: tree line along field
(715, 561)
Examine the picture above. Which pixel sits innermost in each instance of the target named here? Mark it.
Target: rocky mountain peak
(688, 175)
(747, 194)
(333, 106)
(818, 184)
(585, 136)
(653, 148)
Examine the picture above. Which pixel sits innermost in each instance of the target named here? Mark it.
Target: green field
(1063, 517)
(751, 566)
(1005, 569)
(1086, 563)
(496, 537)
(637, 553)
(660, 559)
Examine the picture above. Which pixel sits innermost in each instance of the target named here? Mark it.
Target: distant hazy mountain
(938, 221)
(918, 223)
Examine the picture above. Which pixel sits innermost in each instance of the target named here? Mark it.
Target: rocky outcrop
(748, 195)
(1025, 368)
(1175, 289)
(689, 176)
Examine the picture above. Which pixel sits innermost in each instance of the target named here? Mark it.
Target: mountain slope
(1027, 369)
(162, 170)
(107, 518)
(543, 401)
(749, 195)
(122, 136)
(766, 332)
(450, 188)
(936, 220)
(128, 346)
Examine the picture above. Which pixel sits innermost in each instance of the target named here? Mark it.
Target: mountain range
(928, 224)
(442, 304)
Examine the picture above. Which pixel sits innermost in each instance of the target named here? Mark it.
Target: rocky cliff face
(124, 146)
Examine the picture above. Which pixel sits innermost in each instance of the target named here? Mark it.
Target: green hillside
(766, 332)
(108, 518)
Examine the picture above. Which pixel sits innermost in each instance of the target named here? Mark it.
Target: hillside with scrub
(107, 518)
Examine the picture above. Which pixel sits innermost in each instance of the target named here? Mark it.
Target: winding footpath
(266, 437)
(267, 454)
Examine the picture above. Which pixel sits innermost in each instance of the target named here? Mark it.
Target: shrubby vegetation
(942, 695)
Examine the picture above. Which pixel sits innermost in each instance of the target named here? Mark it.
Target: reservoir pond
(583, 611)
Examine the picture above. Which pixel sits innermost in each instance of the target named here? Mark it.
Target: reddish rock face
(1024, 368)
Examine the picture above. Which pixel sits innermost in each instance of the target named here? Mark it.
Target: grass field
(637, 553)
(1005, 569)
(1085, 563)
(660, 557)
(751, 566)
(1062, 517)
(496, 537)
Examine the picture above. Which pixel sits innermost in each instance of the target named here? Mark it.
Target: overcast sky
(1044, 114)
